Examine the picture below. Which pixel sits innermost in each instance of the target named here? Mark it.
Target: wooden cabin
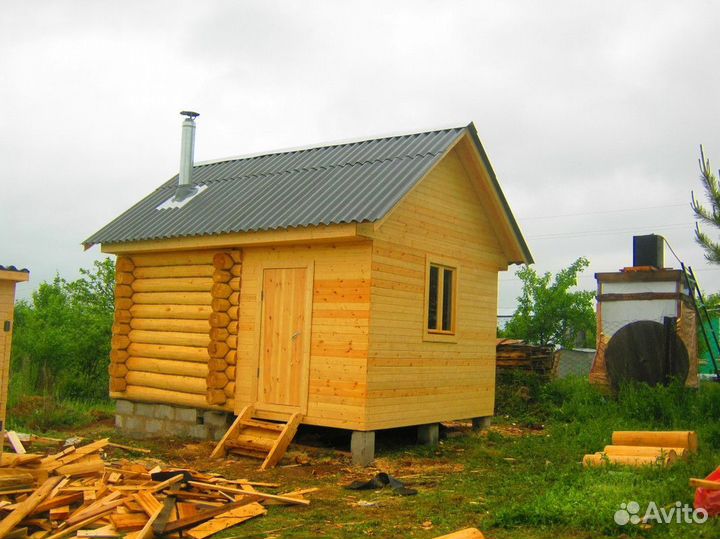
(354, 284)
(9, 277)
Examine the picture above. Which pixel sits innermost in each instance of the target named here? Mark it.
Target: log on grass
(600, 459)
(685, 439)
(642, 450)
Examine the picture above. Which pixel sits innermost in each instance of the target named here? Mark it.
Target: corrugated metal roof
(345, 183)
(13, 268)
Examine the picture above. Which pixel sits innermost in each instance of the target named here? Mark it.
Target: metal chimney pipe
(187, 147)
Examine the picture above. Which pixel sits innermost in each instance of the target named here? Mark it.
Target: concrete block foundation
(142, 420)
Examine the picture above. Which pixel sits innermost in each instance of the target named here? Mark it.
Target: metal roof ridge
(13, 268)
(314, 169)
(322, 145)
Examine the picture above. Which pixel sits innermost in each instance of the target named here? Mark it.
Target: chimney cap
(190, 114)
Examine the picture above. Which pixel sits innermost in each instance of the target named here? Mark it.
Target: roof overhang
(14, 275)
(288, 236)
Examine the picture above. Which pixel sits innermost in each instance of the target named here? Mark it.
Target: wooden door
(285, 337)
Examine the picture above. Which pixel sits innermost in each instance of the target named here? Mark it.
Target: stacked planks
(74, 492)
(222, 347)
(160, 336)
(517, 354)
(644, 448)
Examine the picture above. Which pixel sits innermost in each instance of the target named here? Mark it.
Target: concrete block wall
(143, 420)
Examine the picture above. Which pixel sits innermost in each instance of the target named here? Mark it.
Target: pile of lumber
(517, 354)
(645, 448)
(74, 492)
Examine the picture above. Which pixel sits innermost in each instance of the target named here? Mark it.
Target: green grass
(532, 486)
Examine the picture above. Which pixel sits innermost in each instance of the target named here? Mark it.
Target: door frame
(260, 312)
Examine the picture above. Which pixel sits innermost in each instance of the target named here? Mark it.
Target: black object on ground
(380, 481)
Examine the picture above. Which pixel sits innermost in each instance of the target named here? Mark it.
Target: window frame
(440, 335)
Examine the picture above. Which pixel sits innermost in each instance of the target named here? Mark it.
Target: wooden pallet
(258, 438)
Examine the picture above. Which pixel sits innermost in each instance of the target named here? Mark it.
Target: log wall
(161, 334)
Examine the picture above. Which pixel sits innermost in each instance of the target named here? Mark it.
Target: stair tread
(250, 442)
(260, 424)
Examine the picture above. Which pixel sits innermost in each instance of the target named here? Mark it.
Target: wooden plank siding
(339, 327)
(410, 380)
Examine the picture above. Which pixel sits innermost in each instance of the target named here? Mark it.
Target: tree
(61, 339)
(708, 216)
(549, 312)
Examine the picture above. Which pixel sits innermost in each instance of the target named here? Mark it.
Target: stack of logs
(645, 448)
(224, 327)
(515, 354)
(175, 330)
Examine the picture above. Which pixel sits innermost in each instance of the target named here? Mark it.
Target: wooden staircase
(258, 438)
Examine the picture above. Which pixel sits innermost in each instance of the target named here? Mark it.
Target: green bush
(61, 340)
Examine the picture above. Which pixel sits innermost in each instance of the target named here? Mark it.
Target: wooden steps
(257, 438)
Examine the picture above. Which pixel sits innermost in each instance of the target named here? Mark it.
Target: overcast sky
(591, 112)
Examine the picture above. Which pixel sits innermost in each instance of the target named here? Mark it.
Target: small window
(441, 299)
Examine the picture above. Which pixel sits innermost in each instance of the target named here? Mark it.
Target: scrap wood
(467, 533)
(258, 495)
(26, 507)
(15, 442)
(707, 484)
(227, 520)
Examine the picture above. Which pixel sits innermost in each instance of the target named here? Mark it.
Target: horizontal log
(215, 396)
(231, 357)
(234, 298)
(686, 439)
(119, 356)
(232, 312)
(216, 364)
(172, 298)
(229, 390)
(643, 451)
(236, 255)
(231, 341)
(187, 284)
(123, 291)
(170, 324)
(123, 316)
(217, 349)
(161, 272)
(122, 277)
(169, 337)
(219, 320)
(124, 264)
(223, 261)
(221, 276)
(232, 327)
(230, 372)
(183, 384)
(221, 290)
(190, 312)
(123, 304)
(234, 283)
(598, 459)
(163, 396)
(166, 351)
(216, 380)
(120, 329)
(117, 370)
(220, 305)
(236, 270)
(167, 366)
(120, 342)
(219, 334)
(118, 384)
(178, 258)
